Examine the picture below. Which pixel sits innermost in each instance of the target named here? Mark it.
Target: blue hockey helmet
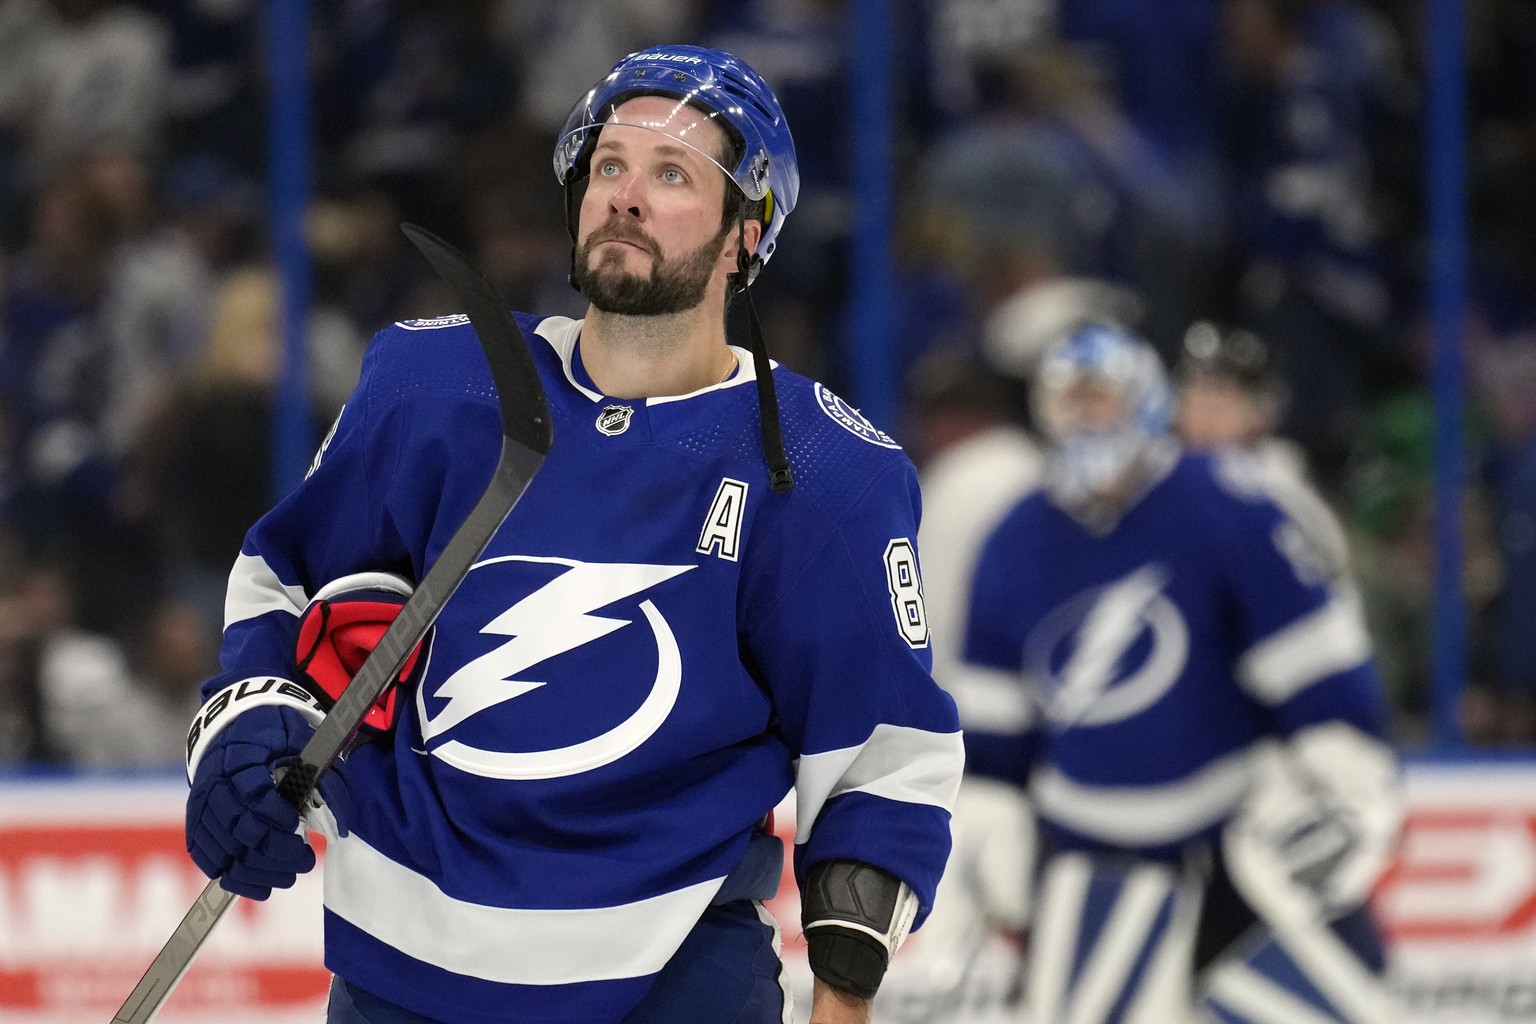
(1095, 444)
(720, 86)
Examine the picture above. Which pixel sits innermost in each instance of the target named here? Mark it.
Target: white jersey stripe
(409, 912)
(1331, 639)
(254, 590)
(1144, 815)
(913, 766)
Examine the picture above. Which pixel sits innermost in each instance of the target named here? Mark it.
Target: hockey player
(1206, 760)
(1229, 394)
(559, 815)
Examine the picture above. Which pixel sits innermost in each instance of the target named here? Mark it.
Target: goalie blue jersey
(652, 652)
(1155, 657)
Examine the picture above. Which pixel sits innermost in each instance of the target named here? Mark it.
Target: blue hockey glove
(239, 829)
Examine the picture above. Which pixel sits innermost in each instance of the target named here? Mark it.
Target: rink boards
(93, 878)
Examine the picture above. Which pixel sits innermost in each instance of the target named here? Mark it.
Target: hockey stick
(527, 433)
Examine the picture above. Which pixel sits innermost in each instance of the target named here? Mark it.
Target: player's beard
(674, 284)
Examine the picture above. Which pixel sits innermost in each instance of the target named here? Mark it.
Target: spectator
(55, 386)
(1509, 383)
(97, 80)
(1389, 519)
(211, 473)
(215, 102)
(1054, 181)
(557, 43)
(1311, 267)
(178, 649)
(74, 684)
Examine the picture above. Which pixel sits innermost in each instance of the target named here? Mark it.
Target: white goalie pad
(1293, 968)
(1308, 977)
(1307, 848)
(1112, 942)
(1326, 807)
(986, 885)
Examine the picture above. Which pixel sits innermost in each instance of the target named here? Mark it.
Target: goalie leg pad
(1266, 980)
(1111, 941)
(1330, 963)
(855, 916)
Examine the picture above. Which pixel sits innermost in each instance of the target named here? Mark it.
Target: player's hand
(831, 1005)
(240, 830)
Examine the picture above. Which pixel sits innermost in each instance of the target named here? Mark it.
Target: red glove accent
(336, 637)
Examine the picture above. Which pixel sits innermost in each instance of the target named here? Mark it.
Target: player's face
(652, 238)
(1086, 404)
(1212, 413)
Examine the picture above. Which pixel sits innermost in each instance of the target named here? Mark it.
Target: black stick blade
(524, 408)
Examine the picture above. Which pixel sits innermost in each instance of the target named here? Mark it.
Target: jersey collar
(563, 335)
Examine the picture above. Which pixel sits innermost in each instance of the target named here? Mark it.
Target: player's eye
(673, 176)
(608, 168)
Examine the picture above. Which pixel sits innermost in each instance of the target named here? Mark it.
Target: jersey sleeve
(845, 651)
(998, 710)
(1304, 652)
(371, 502)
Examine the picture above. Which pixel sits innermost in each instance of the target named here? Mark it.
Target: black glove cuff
(846, 959)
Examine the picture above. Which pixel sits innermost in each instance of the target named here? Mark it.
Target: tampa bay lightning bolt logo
(1110, 652)
(851, 420)
(529, 639)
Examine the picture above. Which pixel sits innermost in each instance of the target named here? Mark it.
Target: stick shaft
(176, 956)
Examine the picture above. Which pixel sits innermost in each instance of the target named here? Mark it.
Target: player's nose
(629, 196)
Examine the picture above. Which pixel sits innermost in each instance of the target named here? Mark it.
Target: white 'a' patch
(721, 534)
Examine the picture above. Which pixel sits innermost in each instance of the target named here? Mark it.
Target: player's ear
(748, 232)
(753, 233)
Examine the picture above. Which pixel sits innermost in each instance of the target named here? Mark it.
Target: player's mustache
(622, 231)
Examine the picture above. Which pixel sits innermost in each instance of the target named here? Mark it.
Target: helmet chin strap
(780, 475)
(574, 187)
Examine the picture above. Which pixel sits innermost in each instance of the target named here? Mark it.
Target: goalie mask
(1102, 398)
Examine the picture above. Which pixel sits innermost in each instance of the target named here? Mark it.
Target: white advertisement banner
(94, 878)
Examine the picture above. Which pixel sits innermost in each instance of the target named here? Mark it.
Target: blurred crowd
(1253, 163)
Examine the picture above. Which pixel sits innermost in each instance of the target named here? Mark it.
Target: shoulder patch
(851, 420)
(433, 323)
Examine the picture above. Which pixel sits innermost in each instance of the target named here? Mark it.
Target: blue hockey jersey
(1158, 654)
(653, 650)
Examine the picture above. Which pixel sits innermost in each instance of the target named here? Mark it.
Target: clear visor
(701, 104)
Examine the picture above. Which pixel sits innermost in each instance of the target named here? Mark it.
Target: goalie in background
(1206, 761)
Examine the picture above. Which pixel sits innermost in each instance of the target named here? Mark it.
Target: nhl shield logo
(614, 419)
